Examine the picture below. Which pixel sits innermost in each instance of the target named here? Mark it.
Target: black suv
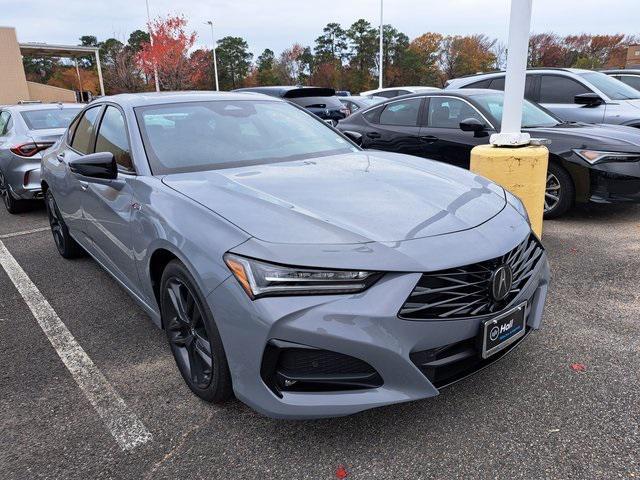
(322, 102)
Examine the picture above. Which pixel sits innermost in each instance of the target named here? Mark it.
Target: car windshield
(532, 115)
(611, 87)
(49, 118)
(195, 136)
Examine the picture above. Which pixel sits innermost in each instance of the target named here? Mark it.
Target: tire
(560, 193)
(12, 205)
(66, 245)
(193, 336)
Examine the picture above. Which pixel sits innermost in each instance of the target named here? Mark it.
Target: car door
(395, 127)
(557, 93)
(68, 189)
(108, 205)
(441, 134)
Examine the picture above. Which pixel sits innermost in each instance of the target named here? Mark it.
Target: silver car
(287, 265)
(572, 94)
(25, 131)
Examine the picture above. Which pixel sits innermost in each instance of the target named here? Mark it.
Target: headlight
(262, 279)
(595, 156)
(516, 203)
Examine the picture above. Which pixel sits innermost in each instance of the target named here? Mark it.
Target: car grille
(465, 291)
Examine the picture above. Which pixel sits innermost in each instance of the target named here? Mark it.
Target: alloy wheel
(552, 192)
(187, 333)
(55, 222)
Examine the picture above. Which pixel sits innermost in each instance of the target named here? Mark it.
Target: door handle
(60, 157)
(84, 186)
(428, 138)
(373, 134)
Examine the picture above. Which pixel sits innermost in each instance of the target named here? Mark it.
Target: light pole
(215, 61)
(381, 57)
(155, 67)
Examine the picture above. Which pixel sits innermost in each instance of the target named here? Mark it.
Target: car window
(49, 118)
(612, 88)
(316, 102)
(532, 115)
(197, 136)
(632, 80)
(497, 83)
(480, 84)
(84, 131)
(557, 89)
(112, 137)
(372, 115)
(403, 113)
(387, 93)
(5, 117)
(447, 112)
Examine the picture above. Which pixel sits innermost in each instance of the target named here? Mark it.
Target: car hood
(352, 198)
(584, 135)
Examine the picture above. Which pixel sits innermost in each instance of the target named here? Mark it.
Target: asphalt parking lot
(529, 416)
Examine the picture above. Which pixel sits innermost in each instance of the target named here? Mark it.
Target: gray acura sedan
(287, 265)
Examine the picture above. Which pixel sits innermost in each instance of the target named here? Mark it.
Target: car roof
(158, 98)
(632, 71)
(290, 90)
(40, 106)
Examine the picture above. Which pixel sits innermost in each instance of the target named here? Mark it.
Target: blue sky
(277, 24)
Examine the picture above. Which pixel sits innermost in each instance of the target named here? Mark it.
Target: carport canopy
(67, 51)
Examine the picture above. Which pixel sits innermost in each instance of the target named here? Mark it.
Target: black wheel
(560, 192)
(193, 336)
(12, 205)
(67, 246)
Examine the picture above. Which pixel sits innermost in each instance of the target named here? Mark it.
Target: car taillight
(29, 149)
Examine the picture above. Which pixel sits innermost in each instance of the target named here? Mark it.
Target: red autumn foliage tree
(168, 52)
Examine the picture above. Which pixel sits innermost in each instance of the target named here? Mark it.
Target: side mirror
(589, 99)
(472, 125)
(355, 137)
(95, 165)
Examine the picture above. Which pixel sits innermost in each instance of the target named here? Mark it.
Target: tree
(234, 60)
(202, 75)
(168, 53)
(136, 39)
(123, 74)
(265, 73)
(466, 55)
(39, 69)
(395, 45)
(547, 50)
(421, 60)
(292, 64)
(362, 55)
(332, 44)
(109, 49)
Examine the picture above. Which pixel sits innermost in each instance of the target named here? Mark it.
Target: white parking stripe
(123, 424)
(24, 232)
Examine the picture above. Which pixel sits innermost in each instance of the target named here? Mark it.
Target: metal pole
(155, 67)
(99, 73)
(380, 75)
(215, 61)
(79, 79)
(519, 27)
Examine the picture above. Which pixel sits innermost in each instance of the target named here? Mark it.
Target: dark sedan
(322, 102)
(597, 163)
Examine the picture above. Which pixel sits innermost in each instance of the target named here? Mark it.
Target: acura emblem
(501, 282)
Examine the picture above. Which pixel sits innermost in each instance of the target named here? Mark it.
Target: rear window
(317, 102)
(49, 118)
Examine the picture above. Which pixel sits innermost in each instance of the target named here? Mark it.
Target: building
(14, 86)
(633, 56)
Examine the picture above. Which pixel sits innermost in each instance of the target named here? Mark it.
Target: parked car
(391, 92)
(285, 263)
(629, 76)
(25, 131)
(597, 163)
(572, 94)
(355, 102)
(322, 102)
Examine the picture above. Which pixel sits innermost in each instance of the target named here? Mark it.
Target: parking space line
(123, 424)
(24, 232)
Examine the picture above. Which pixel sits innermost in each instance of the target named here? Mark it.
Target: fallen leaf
(341, 472)
(578, 367)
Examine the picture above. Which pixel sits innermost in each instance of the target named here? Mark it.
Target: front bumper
(615, 182)
(365, 326)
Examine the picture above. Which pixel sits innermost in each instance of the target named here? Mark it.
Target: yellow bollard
(521, 170)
